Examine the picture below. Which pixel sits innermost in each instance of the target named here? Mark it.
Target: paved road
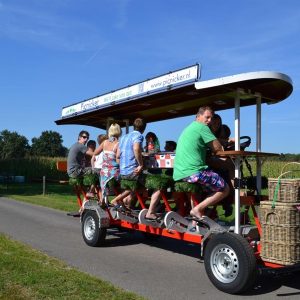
(164, 269)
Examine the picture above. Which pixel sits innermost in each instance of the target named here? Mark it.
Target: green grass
(57, 196)
(29, 274)
(62, 197)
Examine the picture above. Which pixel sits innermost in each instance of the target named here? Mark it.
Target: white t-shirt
(98, 161)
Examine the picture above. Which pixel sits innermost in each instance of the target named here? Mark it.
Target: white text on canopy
(161, 82)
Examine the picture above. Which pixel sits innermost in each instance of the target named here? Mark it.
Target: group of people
(115, 157)
(121, 158)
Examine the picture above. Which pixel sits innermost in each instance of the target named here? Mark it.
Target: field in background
(35, 168)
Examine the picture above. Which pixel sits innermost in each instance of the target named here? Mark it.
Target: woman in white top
(98, 159)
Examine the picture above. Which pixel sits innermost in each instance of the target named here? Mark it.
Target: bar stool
(186, 191)
(77, 184)
(134, 186)
(162, 183)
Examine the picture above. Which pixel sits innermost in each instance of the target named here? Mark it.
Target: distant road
(161, 270)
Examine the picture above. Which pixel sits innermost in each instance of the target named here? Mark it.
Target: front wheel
(230, 263)
(92, 234)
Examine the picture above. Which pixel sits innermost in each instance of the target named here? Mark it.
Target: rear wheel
(230, 263)
(92, 234)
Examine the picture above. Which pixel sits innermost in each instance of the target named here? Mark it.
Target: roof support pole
(109, 121)
(258, 142)
(237, 162)
(126, 121)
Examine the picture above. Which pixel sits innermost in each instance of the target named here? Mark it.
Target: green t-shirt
(191, 150)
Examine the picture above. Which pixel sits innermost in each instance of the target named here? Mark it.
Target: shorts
(80, 172)
(140, 178)
(208, 179)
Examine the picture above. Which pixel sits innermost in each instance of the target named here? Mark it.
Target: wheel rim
(89, 228)
(224, 263)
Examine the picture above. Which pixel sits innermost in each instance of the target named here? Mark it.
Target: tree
(48, 144)
(12, 145)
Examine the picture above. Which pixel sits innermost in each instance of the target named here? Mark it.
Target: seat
(187, 192)
(163, 183)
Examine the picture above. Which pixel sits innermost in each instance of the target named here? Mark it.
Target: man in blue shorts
(190, 160)
(131, 162)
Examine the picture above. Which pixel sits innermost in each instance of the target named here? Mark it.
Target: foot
(151, 216)
(122, 208)
(82, 206)
(196, 214)
(90, 195)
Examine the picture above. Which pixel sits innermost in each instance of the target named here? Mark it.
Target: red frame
(180, 200)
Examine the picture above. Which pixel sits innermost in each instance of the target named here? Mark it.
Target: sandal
(194, 216)
(122, 209)
(155, 219)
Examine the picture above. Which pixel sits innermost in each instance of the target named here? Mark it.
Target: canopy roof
(184, 100)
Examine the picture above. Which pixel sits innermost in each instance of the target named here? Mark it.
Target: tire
(92, 234)
(230, 263)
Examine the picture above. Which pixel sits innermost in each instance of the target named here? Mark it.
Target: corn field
(37, 167)
(273, 168)
(32, 168)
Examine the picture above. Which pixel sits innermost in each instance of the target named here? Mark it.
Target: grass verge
(28, 274)
(57, 196)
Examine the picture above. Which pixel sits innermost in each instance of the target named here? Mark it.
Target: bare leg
(129, 199)
(120, 197)
(198, 210)
(91, 192)
(155, 198)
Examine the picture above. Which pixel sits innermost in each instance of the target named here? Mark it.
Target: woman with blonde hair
(110, 167)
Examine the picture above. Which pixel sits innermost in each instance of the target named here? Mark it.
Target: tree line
(14, 145)
(50, 144)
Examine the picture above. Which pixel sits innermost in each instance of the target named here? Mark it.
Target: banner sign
(183, 76)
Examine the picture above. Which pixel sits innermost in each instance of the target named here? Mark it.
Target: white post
(258, 143)
(127, 125)
(237, 163)
(44, 185)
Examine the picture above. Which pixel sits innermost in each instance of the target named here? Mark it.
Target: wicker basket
(285, 254)
(281, 234)
(289, 190)
(280, 239)
(284, 189)
(282, 214)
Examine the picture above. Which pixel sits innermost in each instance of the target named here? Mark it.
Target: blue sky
(57, 52)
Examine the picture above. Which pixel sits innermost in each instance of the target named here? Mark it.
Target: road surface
(162, 269)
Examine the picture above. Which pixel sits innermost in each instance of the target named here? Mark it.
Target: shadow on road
(123, 238)
(267, 282)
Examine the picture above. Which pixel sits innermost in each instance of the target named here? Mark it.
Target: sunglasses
(84, 136)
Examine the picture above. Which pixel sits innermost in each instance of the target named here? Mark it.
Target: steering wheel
(245, 142)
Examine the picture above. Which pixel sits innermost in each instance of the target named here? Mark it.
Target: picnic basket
(284, 189)
(280, 220)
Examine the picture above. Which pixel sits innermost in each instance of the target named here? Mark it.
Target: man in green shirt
(190, 160)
